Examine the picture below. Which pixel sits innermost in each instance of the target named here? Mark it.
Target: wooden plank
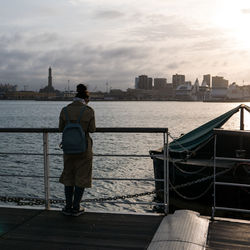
(9, 221)
(228, 235)
(52, 230)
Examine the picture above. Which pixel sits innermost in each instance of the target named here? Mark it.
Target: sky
(114, 41)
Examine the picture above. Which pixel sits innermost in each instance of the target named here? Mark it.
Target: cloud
(245, 11)
(78, 62)
(109, 14)
(210, 44)
(112, 40)
(172, 66)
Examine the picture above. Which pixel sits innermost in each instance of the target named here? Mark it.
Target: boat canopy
(200, 135)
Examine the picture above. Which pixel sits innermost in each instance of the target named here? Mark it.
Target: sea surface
(179, 117)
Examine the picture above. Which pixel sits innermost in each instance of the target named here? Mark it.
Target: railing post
(166, 173)
(214, 194)
(46, 170)
(242, 118)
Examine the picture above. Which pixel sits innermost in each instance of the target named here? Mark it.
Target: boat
(195, 167)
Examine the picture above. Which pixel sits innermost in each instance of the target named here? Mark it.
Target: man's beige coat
(78, 168)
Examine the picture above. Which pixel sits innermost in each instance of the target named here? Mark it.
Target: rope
(187, 172)
(191, 198)
(185, 149)
(195, 182)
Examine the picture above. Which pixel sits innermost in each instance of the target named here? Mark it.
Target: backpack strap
(81, 113)
(66, 114)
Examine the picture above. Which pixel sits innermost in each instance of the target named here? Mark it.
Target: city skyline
(114, 41)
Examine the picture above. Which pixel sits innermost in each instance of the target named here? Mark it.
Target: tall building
(144, 82)
(150, 83)
(207, 79)
(136, 82)
(160, 83)
(219, 87)
(219, 82)
(178, 80)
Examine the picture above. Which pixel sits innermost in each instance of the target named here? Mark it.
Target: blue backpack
(73, 138)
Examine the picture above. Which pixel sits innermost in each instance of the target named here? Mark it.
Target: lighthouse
(49, 88)
(50, 78)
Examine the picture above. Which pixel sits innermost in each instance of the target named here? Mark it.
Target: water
(179, 117)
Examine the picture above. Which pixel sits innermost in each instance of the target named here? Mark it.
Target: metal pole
(165, 174)
(242, 118)
(46, 170)
(213, 211)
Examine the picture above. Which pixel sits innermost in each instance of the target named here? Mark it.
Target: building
(207, 80)
(235, 92)
(178, 80)
(204, 90)
(184, 91)
(150, 83)
(219, 82)
(160, 83)
(196, 86)
(144, 82)
(219, 88)
(5, 89)
(137, 83)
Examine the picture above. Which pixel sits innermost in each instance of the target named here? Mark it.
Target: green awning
(196, 137)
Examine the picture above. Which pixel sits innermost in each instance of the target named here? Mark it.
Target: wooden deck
(228, 235)
(40, 229)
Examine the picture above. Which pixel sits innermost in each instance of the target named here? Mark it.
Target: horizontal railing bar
(219, 131)
(23, 176)
(17, 153)
(94, 178)
(127, 202)
(232, 184)
(232, 159)
(111, 155)
(120, 155)
(126, 179)
(98, 130)
(97, 155)
(233, 209)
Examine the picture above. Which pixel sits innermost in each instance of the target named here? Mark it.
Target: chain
(22, 201)
(122, 197)
(26, 201)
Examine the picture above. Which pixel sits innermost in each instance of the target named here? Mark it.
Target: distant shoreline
(103, 100)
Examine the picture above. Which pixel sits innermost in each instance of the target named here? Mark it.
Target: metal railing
(238, 133)
(46, 154)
